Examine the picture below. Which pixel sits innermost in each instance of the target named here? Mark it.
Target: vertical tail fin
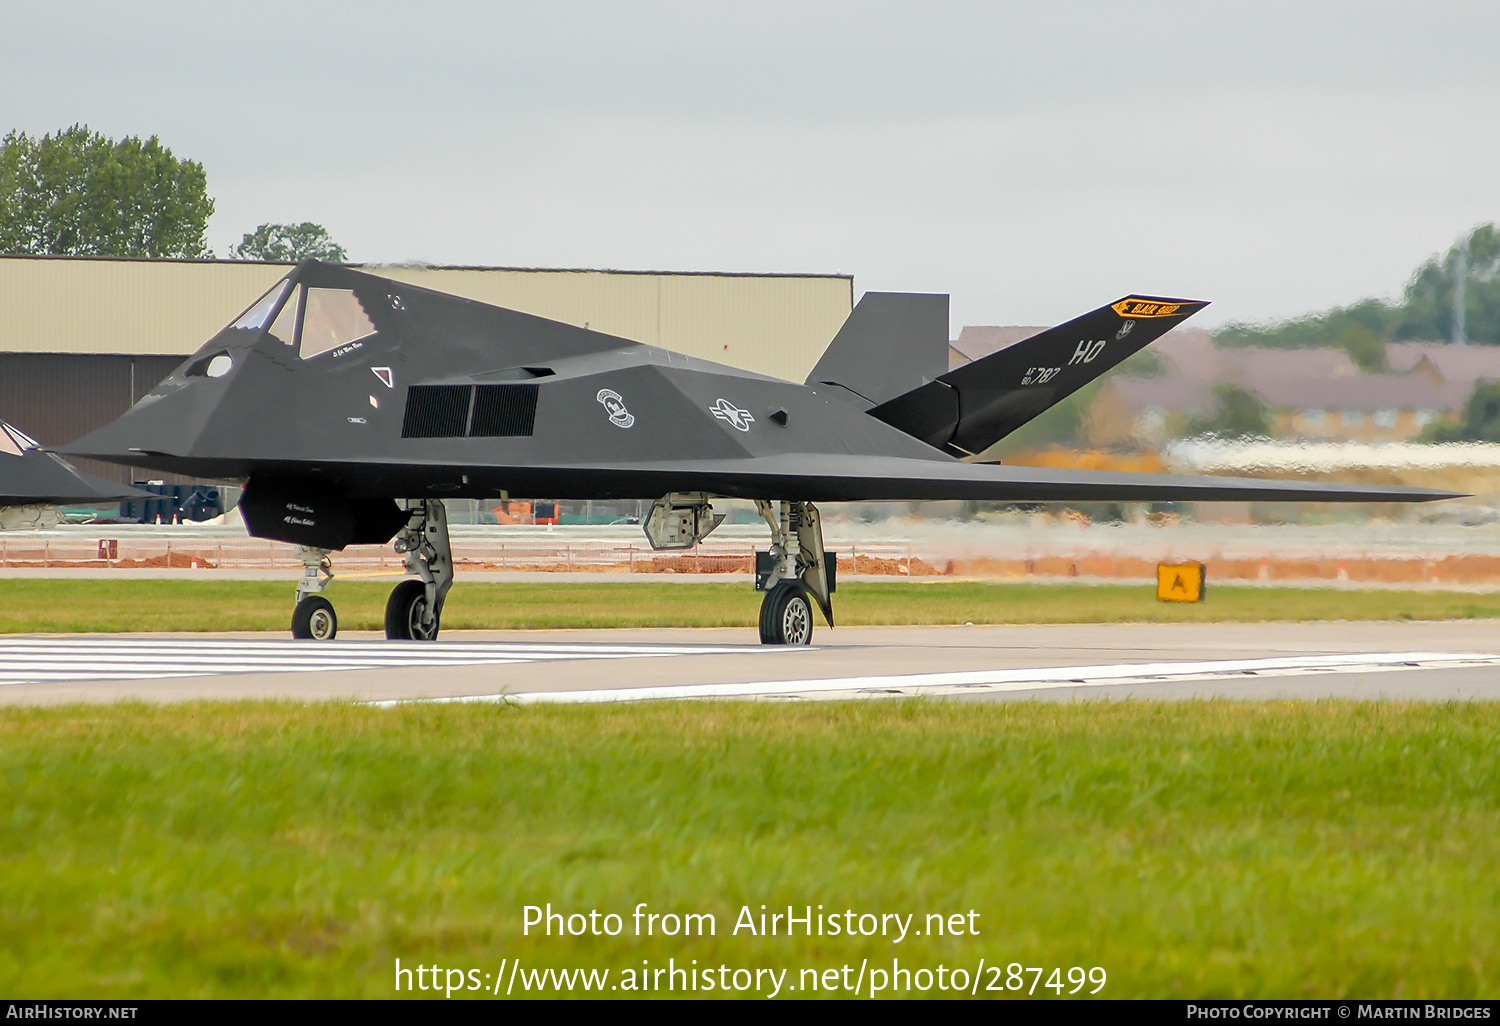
(968, 409)
(892, 343)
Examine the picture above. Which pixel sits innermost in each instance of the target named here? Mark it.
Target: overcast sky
(1033, 160)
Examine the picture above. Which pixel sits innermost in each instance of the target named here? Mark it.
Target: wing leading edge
(863, 478)
(817, 477)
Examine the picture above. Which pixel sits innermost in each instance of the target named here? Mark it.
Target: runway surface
(1431, 661)
(40, 660)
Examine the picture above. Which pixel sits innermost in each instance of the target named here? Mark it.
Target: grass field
(1188, 849)
(51, 605)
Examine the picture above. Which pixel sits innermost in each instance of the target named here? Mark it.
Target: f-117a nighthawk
(31, 476)
(352, 405)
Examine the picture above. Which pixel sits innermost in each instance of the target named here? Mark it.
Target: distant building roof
(1424, 375)
(978, 341)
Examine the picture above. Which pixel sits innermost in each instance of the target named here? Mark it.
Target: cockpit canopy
(313, 320)
(14, 442)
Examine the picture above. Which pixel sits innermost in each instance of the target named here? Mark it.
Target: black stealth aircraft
(351, 405)
(31, 476)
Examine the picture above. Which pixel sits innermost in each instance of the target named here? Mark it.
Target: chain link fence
(728, 557)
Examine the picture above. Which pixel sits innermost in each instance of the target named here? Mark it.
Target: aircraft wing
(818, 477)
(36, 476)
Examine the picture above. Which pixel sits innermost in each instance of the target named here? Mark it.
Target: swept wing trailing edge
(352, 404)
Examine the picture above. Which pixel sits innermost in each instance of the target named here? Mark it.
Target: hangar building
(81, 338)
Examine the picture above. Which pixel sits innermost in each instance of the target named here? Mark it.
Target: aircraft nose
(162, 425)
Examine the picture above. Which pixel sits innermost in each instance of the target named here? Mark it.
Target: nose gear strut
(313, 617)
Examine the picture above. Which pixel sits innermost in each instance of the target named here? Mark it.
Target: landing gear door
(813, 559)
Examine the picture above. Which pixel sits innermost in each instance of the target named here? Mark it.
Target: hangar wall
(48, 395)
(57, 397)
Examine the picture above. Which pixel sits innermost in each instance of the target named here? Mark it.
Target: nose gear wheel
(314, 619)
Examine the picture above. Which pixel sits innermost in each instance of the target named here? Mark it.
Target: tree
(1428, 309)
(1479, 422)
(80, 193)
(1424, 313)
(1325, 330)
(1365, 348)
(289, 243)
(1238, 412)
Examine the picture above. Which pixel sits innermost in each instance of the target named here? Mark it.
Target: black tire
(403, 613)
(314, 619)
(786, 615)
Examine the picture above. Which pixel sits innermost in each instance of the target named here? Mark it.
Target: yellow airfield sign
(1181, 582)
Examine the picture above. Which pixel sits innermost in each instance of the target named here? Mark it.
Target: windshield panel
(331, 318)
(255, 318)
(285, 325)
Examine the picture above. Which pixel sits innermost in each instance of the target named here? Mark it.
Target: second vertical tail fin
(892, 343)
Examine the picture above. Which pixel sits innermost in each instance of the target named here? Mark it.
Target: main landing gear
(415, 607)
(794, 574)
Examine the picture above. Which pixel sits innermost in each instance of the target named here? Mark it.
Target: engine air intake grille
(503, 410)
(459, 411)
(437, 411)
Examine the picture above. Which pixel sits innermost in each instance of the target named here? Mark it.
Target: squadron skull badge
(725, 410)
(619, 416)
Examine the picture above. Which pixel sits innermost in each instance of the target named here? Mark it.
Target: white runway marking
(981, 681)
(37, 660)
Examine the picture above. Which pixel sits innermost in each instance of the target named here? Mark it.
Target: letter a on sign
(1180, 582)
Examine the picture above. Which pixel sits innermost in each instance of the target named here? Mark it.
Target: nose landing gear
(313, 618)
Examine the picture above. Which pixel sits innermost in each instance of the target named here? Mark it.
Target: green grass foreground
(29, 605)
(1190, 849)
